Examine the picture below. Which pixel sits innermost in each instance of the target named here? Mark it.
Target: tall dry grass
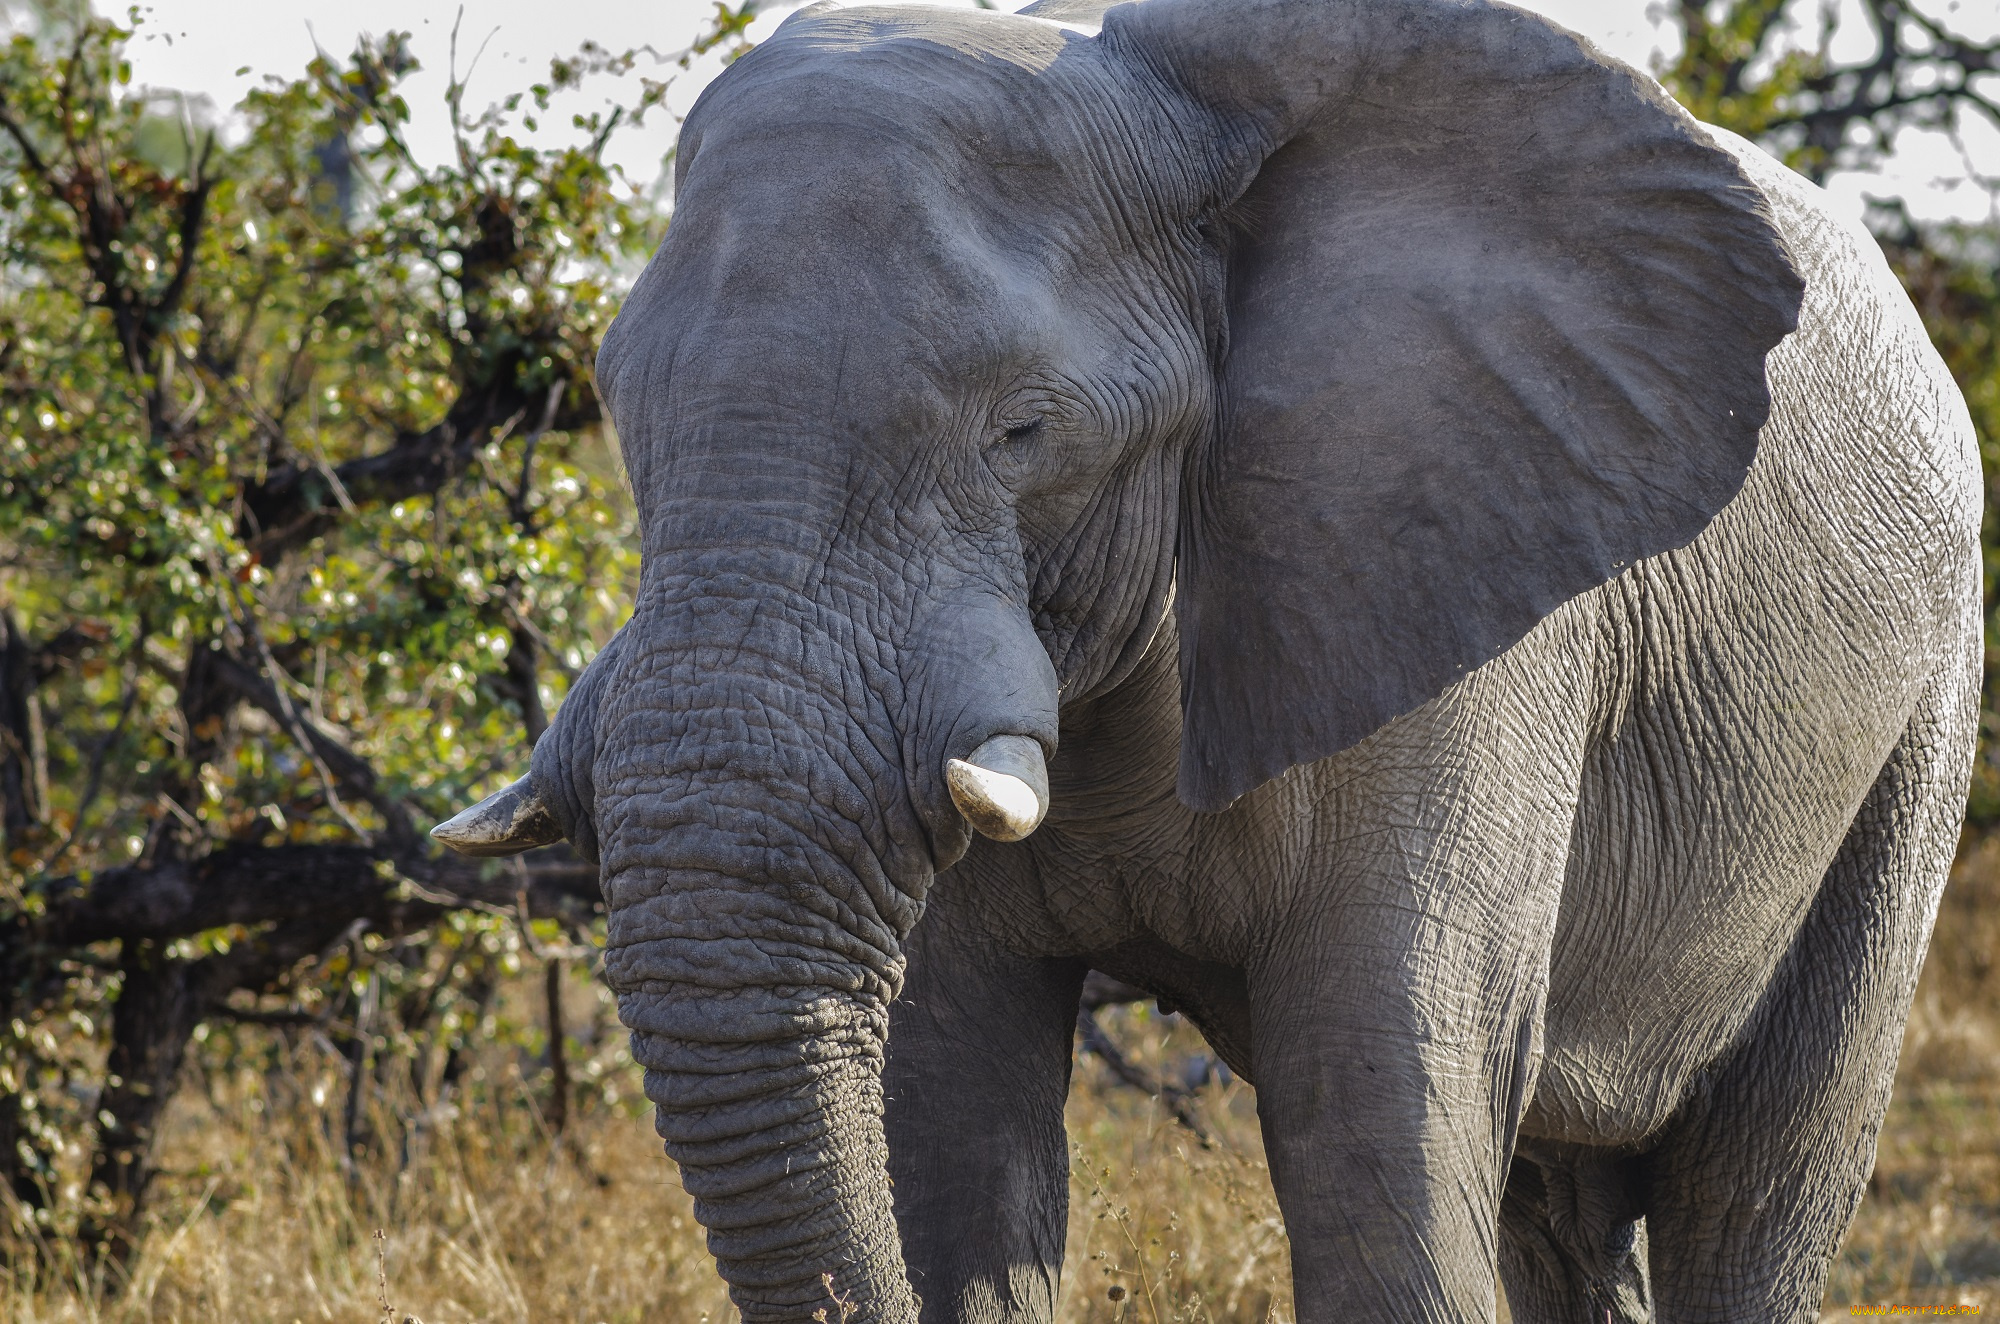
(476, 1213)
(259, 1214)
(1928, 1232)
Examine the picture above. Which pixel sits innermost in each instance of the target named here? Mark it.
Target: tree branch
(37, 167)
(352, 772)
(293, 505)
(1178, 1101)
(258, 885)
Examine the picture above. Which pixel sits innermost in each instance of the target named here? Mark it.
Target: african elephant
(1469, 577)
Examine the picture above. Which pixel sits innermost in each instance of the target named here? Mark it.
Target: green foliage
(218, 320)
(1729, 74)
(1741, 67)
(308, 516)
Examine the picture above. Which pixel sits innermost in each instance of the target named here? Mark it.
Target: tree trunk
(558, 1112)
(158, 1007)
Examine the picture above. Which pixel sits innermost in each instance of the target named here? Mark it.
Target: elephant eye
(1022, 431)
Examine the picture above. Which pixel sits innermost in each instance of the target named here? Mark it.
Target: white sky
(198, 46)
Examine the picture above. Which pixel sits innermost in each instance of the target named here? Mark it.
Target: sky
(220, 48)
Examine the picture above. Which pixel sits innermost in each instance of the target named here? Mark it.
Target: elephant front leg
(977, 1073)
(1397, 1039)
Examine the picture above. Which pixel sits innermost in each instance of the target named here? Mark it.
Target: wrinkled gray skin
(1493, 564)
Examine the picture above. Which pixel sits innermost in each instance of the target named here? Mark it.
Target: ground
(483, 1216)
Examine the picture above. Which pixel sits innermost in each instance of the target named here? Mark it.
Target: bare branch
(253, 885)
(1178, 1101)
(340, 764)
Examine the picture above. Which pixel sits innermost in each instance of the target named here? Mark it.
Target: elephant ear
(1497, 313)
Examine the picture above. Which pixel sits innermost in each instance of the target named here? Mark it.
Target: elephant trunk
(777, 1127)
(756, 984)
(762, 864)
(761, 770)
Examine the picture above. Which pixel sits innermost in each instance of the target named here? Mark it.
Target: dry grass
(484, 1218)
(1162, 1227)
(1929, 1231)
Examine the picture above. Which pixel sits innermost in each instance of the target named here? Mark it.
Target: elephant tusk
(1002, 787)
(512, 819)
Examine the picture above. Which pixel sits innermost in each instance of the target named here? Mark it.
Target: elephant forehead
(948, 87)
(1031, 44)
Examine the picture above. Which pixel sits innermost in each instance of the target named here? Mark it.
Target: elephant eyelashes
(1022, 431)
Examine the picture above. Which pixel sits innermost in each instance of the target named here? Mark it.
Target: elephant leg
(1750, 1192)
(1397, 998)
(1572, 1242)
(1394, 1042)
(1388, 1151)
(978, 1069)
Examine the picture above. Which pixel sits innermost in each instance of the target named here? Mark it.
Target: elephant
(1361, 518)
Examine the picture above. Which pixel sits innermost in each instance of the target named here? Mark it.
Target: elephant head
(1359, 333)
